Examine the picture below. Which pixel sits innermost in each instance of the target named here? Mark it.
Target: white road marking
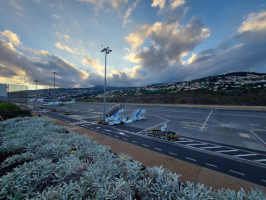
(224, 151)
(237, 172)
(260, 160)
(206, 121)
(124, 138)
(109, 134)
(116, 136)
(195, 144)
(243, 155)
(145, 145)
(214, 147)
(191, 159)
(107, 130)
(158, 149)
(98, 127)
(134, 142)
(183, 141)
(263, 181)
(211, 165)
(173, 153)
(261, 140)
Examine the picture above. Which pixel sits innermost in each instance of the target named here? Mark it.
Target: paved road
(244, 163)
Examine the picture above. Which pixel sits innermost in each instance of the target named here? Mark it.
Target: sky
(152, 41)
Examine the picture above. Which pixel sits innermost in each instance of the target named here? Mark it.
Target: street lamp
(36, 81)
(107, 51)
(54, 72)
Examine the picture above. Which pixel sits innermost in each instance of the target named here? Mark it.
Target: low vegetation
(8, 111)
(42, 161)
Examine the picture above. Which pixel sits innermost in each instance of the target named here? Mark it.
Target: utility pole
(107, 51)
(54, 72)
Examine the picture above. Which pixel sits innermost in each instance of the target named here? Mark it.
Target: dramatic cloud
(128, 13)
(169, 43)
(40, 67)
(12, 37)
(65, 47)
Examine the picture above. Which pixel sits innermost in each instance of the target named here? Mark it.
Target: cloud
(27, 69)
(167, 4)
(12, 37)
(95, 64)
(65, 47)
(176, 3)
(159, 3)
(255, 22)
(100, 4)
(56, 16)
(128, 13)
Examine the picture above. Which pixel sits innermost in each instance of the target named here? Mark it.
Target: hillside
(238, 88)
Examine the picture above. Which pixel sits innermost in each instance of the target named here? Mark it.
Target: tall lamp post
(54, 72)
(107, 51)
(36, 81)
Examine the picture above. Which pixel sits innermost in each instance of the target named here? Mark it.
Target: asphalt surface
(231, 142)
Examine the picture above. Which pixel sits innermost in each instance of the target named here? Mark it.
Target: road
(214, 139)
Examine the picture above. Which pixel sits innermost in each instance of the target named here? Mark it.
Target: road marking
(195, 144)
(260, 160)
(107, 130)
(206, 121)
(191, 159)
(263, 181)
(237, 172)
(243, 155)
(211, 165)
(173, 153)
(124, 138)
(258, 138)
(215, 147)
(109, 134)
(116, 136)
(145, 145)
(224, 151)
(183, 141)
(158, 149)
(124, 134)
(134, 142)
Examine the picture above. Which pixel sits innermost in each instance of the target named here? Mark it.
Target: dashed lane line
(124, 138)
(237, 172)
(158, 149)
(134, 142)
(213, 147)
(244, 155)
(225, 151)
(211, 165)
(116, 136)
(183, 141)
(263, 181)
(173, 153)
(195, 144)
(191, 159)
(145, 145)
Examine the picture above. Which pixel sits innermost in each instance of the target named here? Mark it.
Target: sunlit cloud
(159, 3)
(65, 47)
(12, 37)
(94, 64)
(254, 22)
